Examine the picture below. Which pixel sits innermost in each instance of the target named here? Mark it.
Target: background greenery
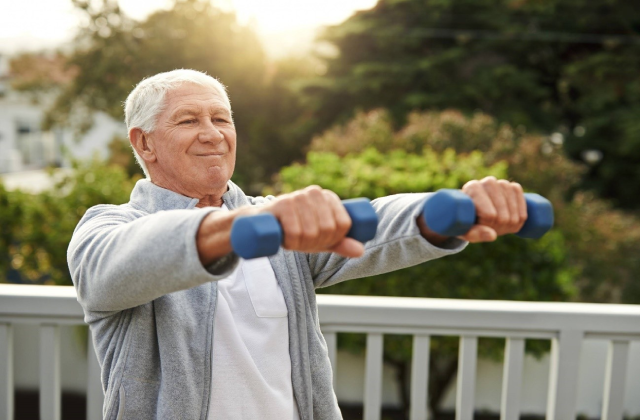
(415, 96)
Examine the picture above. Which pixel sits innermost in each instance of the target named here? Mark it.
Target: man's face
(194, 142)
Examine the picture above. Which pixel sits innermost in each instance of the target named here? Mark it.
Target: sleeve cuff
(223, 265)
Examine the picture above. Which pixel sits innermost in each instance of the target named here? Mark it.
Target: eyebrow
(191, 110)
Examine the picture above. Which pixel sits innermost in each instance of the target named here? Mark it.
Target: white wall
(15, 107)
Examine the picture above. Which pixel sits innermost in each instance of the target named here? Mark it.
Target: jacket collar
(151, 198)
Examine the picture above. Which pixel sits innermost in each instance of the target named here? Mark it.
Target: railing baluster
(563, 376)
(512, 379)
(331, 339)
(373, 377)
(420, 377)
(466, 378)
(615, 380)
(50, 372)
(6, 371)
(95, 395)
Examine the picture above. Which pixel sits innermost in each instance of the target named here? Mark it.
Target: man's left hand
(500, 209)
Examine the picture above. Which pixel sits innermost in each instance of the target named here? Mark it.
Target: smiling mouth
(210, 154)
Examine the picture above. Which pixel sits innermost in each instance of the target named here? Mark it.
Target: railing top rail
(382, 302)
(397, 312)
(30, 290)
(390, 312)
(19, 300)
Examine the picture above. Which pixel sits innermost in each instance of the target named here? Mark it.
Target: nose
(210, 133)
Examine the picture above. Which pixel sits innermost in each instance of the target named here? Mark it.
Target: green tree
(554, 65)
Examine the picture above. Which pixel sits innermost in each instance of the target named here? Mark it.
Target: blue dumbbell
(261, 235)
(452, 213)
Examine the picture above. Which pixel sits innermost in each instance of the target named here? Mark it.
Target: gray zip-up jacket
(151, 304)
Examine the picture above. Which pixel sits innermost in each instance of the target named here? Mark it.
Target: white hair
(147, 100)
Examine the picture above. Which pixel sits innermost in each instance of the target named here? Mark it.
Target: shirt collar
(151, 198)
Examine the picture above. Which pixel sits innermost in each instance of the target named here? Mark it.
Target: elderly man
(182, 327)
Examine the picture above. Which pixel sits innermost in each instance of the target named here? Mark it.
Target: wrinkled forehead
(196, 96)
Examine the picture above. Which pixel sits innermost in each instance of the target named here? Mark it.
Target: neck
(206, 198)
(210, 201)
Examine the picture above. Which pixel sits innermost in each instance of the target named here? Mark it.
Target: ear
(140, 142)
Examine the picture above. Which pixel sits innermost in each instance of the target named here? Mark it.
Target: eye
(220, 120)
(189, 121)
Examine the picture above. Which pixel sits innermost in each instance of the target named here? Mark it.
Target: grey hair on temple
(147, 100)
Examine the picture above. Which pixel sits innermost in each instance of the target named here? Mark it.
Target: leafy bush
(37, 228)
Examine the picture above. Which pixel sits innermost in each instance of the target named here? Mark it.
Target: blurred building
(26, 150)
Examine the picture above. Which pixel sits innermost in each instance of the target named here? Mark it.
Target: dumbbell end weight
(449, 212)
(363, 217)
(539, 217)
(256, 236)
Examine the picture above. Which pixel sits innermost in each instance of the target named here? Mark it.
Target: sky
(38, 24)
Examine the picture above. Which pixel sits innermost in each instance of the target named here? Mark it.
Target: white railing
(50, 307)
(567, 325)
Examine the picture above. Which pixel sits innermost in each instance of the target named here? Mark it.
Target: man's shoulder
(116, 211)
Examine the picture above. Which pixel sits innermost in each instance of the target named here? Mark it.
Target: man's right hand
(312, 220)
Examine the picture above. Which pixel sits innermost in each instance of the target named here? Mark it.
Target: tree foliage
(554, 65)
(37, 228)
(601, 241)
(112, 53)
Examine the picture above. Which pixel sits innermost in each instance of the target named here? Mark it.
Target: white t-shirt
(251, 366)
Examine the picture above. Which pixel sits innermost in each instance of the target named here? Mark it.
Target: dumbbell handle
(261, 235)
(452, 213)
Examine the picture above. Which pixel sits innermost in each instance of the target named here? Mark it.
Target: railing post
(615, 380)
(50, 372)
(6, 371)
(467, 361)
(373, 377)
(420, 377)
(512, 379)
(563, 377)
(95, 395)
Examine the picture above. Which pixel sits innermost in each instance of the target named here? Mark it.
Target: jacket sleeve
(398, 244)
(118, 261)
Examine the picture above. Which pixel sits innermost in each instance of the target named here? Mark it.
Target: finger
(480, 233)
(485, 211)
(339, 217)
(348, 247)
(309, 229)
(290, 223)
(323, 214)
(496, 193)
(522, 205)
(511, 197)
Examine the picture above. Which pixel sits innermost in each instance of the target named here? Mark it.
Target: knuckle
(489, 180)
(517, 187)
(300, 199)
(293, 234)
(327, 227)
(490, 216)
(313, 190)
(503, 219)
(504, 185)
